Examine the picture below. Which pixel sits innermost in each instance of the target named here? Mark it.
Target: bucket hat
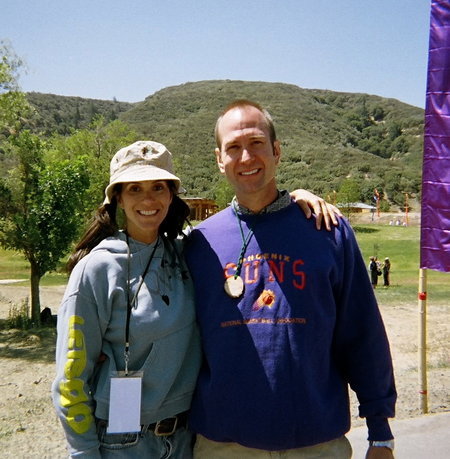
(142, 160)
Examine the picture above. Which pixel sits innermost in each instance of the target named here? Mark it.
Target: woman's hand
(312, 204)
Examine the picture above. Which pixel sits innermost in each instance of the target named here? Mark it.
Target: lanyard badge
(126, 387)
(125, 403)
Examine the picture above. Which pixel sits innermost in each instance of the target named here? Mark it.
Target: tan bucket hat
(142, 160)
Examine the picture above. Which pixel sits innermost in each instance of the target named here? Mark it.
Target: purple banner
(435, 217)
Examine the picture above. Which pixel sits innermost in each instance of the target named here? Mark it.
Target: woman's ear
(118, 197)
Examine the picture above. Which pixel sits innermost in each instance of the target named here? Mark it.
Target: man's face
(247, 157)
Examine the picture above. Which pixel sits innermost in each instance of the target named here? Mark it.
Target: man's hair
(243, 103)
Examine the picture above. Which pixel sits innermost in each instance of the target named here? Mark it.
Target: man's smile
(252, 172)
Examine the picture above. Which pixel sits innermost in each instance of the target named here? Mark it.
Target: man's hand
(377, 452)
(310, 203)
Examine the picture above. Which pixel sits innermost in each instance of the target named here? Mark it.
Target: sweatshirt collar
(282, 201)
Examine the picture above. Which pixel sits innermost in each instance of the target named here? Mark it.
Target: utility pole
(406, 209)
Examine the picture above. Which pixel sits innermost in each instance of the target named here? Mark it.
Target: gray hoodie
(164, 340)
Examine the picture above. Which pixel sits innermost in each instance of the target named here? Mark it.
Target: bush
(384, 206)
(18, 317)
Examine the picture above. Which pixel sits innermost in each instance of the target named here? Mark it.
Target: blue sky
(128, 50)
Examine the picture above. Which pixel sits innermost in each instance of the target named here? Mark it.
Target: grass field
(14, 266)
(400, 244)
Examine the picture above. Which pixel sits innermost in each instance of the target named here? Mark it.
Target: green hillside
(61, 114)
(326, 136)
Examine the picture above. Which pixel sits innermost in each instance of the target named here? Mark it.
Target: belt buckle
(162, 430)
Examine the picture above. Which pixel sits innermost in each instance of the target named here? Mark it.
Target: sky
(128, 50)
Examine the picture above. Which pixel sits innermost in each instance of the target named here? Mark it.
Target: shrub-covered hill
(326, 136)
(61, 114)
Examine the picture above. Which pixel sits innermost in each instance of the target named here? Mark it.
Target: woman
(128, 350)
(160, 339)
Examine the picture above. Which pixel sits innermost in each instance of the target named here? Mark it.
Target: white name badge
(125, 403)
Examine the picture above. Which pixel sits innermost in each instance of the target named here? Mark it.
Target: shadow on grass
(365, 229)
(36, 345)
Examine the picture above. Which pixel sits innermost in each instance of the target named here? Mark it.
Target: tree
(349, 193)
(97, 144)
(42, 208)
(223, 193)
(13, 103)
(367, 190)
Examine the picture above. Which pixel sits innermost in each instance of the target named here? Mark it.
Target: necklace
(131, 303)
(234, 285)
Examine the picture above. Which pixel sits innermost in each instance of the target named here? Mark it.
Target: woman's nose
(149, 196)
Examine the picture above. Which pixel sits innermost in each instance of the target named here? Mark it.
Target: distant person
(374, 270)
(287, 317)
(386, 271)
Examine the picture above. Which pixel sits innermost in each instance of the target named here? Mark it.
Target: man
(287, 316)
(386, 271)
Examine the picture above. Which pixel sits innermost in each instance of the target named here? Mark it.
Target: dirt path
(28, 422)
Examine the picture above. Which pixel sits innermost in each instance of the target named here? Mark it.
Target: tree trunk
(35, 300)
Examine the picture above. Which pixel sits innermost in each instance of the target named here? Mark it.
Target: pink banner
(435, 217)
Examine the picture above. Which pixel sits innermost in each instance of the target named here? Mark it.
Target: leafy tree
(41, 203)
(400, 145)
(384, 206)
(398, 184)
(394, 130)
(378, 113)
(97, 144)
(13, 103)
(349, 193)
(223, 193)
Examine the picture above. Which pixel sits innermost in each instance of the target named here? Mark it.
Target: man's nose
(246, 155)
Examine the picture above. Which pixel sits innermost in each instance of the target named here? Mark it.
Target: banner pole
(422, 347)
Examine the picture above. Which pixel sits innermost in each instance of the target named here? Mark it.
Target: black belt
(167, 426)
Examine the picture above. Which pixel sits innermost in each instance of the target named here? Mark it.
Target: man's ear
(277, 151)
(219, 160)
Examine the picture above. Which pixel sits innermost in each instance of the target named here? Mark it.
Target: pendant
(166, 299)
(234, 286)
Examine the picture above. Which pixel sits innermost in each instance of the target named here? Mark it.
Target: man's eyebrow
(251, 137)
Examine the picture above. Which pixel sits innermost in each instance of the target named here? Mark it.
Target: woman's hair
(104, 224)
(177, 216)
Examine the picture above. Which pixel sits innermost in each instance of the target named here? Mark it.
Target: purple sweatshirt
(278, 360)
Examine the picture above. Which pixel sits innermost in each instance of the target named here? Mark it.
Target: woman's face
(145, 205)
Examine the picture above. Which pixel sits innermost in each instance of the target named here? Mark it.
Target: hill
(326, 136)
(61, 114)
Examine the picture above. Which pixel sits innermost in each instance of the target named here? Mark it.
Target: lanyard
(130, 304)
(245, 242)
